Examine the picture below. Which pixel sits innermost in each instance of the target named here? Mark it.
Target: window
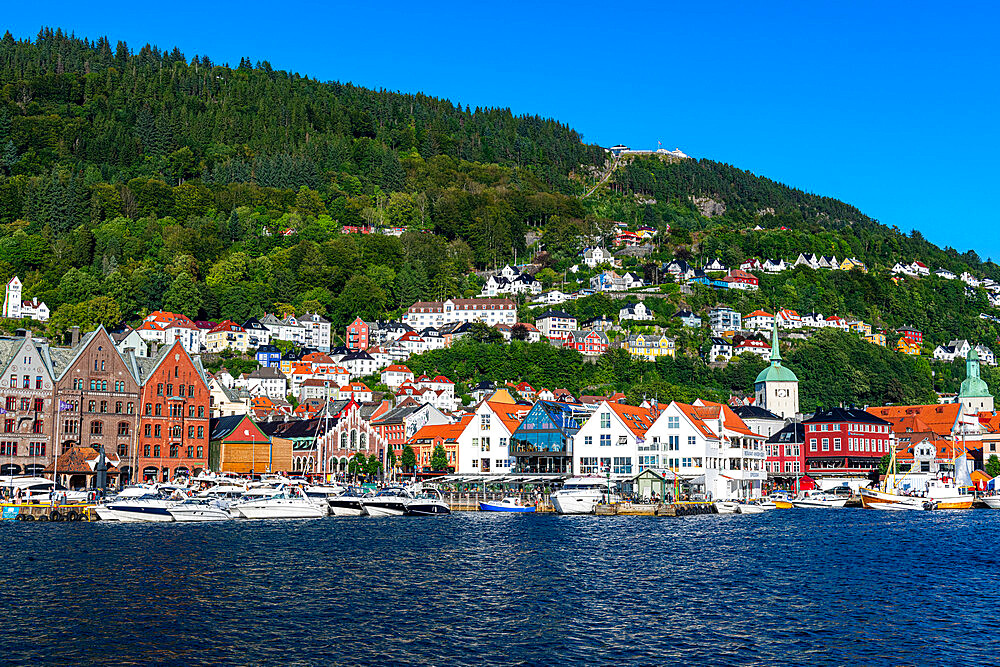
(190, 451)
(190, 390)
(836, 444)
(673, 442)
(123, 450)
(484, 422)
(122, 428)
(201, 434)
(826, 444)
(159, 389)
(149, 408)
(588, 441)
(156, 451)
(25, 404)
(36, 449)
(104, 406)
(96, 428)
(673, 422)
(174, 450)
(157, 431)
(38, 382)
(605, 420)
(38, 426)
(190, 431)
(180, 390)
(13, 382)
(118, 407)
(8, 448)
(812, 445)
(691, 441)
(147, 430)
(605, 440)
(11, 404)
(170, 390)
(145, 450)
(201, 451)
(201, 410)
(91, 406)
(158, 410)
(190, 411)
(26, 383)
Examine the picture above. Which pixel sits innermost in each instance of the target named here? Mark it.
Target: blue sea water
(817, 587)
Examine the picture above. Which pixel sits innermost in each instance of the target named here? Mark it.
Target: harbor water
(818, 587)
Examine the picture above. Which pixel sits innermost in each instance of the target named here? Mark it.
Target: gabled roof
(839, 414)
(938, 419)
(638, 420)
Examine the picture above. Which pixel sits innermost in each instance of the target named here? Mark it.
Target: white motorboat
(581, 495)
(993, 502)
(347, 503)
(767, 505)
(811, 499)
(726, 506)
(144, 508)
(323, 492)
(200, 509)
(387, 502)
(279, 506)
(428, 502)
(750, 508)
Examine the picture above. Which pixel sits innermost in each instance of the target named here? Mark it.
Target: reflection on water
(792, 586)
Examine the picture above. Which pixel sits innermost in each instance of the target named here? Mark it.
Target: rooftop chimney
(74, 336)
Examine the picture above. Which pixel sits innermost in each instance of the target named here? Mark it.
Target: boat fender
(57, 516)
(72, 516)
(43, 517)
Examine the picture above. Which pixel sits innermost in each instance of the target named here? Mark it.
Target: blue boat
(510, 504)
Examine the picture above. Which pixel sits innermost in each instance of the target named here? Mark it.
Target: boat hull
(992, 503)
(281, 511)
(427, 509)
(200, 514)
(486, 507)
(572, 504)
(346, 508)
(750, 509)
(135, 514)
(825, 504)
(726, 507)
(872, 497)
(385, 509)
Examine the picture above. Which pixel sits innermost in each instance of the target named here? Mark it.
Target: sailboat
(945, 493)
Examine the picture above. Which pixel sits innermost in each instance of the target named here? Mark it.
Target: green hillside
(133, 180)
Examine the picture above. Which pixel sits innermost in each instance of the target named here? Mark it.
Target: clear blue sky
(891, 107)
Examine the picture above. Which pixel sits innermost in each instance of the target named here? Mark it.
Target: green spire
(973, 385)
(775, 352)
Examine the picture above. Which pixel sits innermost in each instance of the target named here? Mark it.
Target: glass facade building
(543, 443)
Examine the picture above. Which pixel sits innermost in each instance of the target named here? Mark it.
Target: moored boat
(388, 502)
(992, 502)
(200, 509)
(427, 503)
(726, 506)
(818, 499)
(581, 495)
(749, 508)
(509, 504)
(943, 495)
(347, 503)
(282, 505)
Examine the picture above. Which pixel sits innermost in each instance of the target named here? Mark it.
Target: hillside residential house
(227, 335)
(588, 343)
(740, 279)
(555, 324)
(436, 313)
(637, 312)
(721, 348)
(723, 319)
(758, 320)
(788, 319)
(594, 256)
(688, 318)
(395, 375)
(753, 346)
(650, 346)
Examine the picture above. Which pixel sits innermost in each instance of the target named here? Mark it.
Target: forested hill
(137, 180)
(79, 103)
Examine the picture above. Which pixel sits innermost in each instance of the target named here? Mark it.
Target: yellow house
(860, 327)
(876, 338)
(908, 347)
(650, 346)
(227, 335)
(851, 263)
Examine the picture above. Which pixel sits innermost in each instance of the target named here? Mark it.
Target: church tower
(974, 395)
(776, 388)
(12, 299)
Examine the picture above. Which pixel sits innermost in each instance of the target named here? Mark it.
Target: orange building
(239, 446)
(424, 441)
(174, 418)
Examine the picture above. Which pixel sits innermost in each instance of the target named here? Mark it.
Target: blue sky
(891, 107)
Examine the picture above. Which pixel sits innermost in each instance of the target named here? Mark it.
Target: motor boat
(347, 503)
(282, 505)
(387, 502)
(139, 503)
(992, 502)
(323, 492)
(809, 499)
(508, 504)
(427, 503)
(581, 495)
(726, 506)
(750, 508)
(200, 509)
(781, 500)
